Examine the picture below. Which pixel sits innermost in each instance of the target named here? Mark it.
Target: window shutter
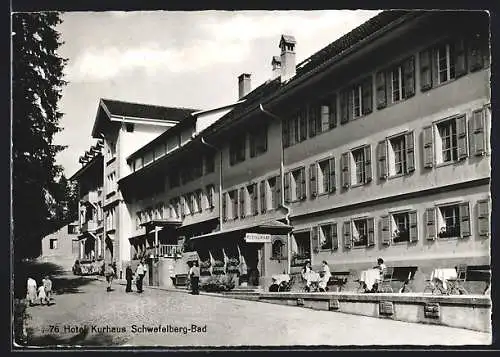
(381, 90)
(410, 152)
(382, 159)
(313, 183)
(409, 77)
(483, 217)
(333, 112)
(425, 70)
(430, 223)
(255, 200)
(335, 238)
(367, 95)
(287, 187)
(303, 192)
(277, 192)
(428, 147)
(315, 239)
(413, 226)
(242, 202)
(312, 120)
(386, 230)
(368, 163)
(476, 56)
(285, 127)
(263, 203)
(331, 177)
(224, 207)
(303, 124)
(344, 107)
(182, 204)
(371, 231)
(464, 220)
(346, 230)
(477, 133)
(346, 175)
(461, 124)
(460, 55)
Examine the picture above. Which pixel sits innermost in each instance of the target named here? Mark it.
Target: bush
(205, 264)
(21, 316)
(233, 261)
(218, 263)
(218, 284)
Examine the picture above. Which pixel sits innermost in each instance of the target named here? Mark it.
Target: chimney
(287, 45)
(276, 64)
(244, 85)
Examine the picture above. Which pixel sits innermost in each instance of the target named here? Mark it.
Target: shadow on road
(81, 339)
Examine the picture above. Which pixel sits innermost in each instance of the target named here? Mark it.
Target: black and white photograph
(251, 178)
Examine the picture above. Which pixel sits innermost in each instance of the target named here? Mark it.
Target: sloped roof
(288, 39)
(146, 111)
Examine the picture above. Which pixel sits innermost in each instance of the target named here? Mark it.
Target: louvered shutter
(315, 239)
(483, 217)
(430, 223)
(346, 175)
(333, 112)
(477, 133)
(242, 202)
(277, 192)
(461, 125)
(335, 238)
(313, 115)
(382, 159)
(425, 70)
(331, 177)
(287, 186)
(224, 207)
(409, 77)
(263, 201)
(182, 205)
(413, 226)
(476, 56)
(367, 95)
(428, 147)
(255, 200)
(285, 125)
(460, 56)
(371, 231)
(303, 124)
(464, 220)
(303, 192)
(381, 90)
(344, 109)
(410, 152)
(368, 163)
(386, 230)
(346, 232)
(313, 182)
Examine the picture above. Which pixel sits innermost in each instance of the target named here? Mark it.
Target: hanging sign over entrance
(257, 238)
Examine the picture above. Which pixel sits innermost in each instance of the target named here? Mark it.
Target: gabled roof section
(288, 39)
(146, 111)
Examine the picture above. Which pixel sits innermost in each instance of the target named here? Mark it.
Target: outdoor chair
(456, 286)
(384, 285)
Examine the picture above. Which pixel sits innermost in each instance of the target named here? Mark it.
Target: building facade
(376, 146)
(61, 247)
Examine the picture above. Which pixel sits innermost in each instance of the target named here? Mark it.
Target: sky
(179, 59)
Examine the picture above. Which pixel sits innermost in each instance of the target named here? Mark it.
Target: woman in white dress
(307, 276)
(31, 294)
(324, 276)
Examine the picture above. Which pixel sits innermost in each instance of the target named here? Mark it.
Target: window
(175, 207)
(448, 133)
(233, 200)
(446, 62)
(314, 120)
(356, 101)
(399, 227)
(209, 163)
(160, 150)
(450, 141)
(72, 229)
(328, 239)
(237, 150)
(253, 197)
(401, 224)
(448, 221)
(448, 217)
(278, 250)
(360, 161)
(302, 251)
(197, 200)
(326, 176)
(129, 127)
(53, 244)
(397, 84)
(395, 156)
(272, 182)
(174, 179)
(258, 141)
(295, 128)
(210, 196)
(295, 185)
(359, 233)
(359, 166)
(270, 193)
(148, 158)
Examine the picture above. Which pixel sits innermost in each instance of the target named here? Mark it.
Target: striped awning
(271, 227)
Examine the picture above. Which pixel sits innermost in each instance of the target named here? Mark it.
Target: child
(41, 294)
(47, 284)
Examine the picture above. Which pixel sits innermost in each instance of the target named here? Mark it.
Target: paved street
(228, 322)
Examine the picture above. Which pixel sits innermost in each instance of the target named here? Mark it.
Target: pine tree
(36, 91)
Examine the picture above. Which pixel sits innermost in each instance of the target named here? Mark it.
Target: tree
(36, 90)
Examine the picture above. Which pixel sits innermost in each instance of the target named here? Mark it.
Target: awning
(174, 222)
(86, 235)
(272, 227)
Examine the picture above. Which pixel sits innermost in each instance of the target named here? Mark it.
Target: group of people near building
(140, 272)
(39, 294)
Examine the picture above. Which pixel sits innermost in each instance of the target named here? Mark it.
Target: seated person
(382, 268)
(306, 275)
(324, 277)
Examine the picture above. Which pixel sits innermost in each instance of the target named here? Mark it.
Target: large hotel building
(376, 146)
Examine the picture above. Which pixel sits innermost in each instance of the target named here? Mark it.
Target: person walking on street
(194, 274)
(47, 284)
(140, 276)
(31, 292)
(41, 294)
(109, 273)
(129, 275)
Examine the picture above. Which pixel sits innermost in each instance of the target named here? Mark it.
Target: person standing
(194, 274)
(109, 273)
(47, 284)
(31, 291)
(129, 275)
(140, 276)
(41, 294)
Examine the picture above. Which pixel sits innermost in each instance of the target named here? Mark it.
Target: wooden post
(156, 241)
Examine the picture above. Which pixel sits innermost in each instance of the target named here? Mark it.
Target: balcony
(91, 196)
(170, 250)
(89, 226)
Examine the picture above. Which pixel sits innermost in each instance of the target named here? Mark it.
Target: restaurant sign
(257, 238)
